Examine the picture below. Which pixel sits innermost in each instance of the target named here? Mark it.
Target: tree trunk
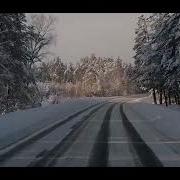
(169, 98)
(154, 96)
(175, 99)
(177, 93)
(178, 100)
(165, 97)
(160, 97)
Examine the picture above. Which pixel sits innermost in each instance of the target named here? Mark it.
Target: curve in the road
(39, 135)
(49, 158)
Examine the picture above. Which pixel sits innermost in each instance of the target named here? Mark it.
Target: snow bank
(17, 125)
(54, 99)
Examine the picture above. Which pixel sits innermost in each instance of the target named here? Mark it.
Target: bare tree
(41, 35)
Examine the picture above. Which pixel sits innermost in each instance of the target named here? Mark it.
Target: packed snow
(17, 125)
(164, 119)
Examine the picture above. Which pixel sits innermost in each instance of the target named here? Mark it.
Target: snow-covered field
(17, 125)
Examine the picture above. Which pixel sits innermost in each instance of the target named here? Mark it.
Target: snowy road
(99, 136)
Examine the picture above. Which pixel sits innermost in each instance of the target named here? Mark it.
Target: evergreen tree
(16, 76)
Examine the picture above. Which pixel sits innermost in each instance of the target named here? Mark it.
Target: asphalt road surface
(100, 136)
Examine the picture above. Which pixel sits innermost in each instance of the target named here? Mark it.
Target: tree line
(90, 76)
(157, 58)
(22, 44)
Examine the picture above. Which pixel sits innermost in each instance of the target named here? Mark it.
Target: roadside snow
(149, 100)
(174, 107)
(54, 99)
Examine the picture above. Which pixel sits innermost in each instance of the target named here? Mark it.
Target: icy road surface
(96, 132)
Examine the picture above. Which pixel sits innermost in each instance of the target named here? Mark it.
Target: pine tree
(157, 57)
(144, 68)
(17, 78)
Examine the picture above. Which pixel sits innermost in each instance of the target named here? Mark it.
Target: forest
(91, 76)
(28, 75)
(157, 59)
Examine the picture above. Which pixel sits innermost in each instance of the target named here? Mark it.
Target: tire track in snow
(38, 135)
(146, 155)
(49, 158)
(100, 151)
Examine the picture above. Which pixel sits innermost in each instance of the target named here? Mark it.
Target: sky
(104, 34)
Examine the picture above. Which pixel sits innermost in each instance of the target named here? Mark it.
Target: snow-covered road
(159, 126)
(17, 125)
(117, 131)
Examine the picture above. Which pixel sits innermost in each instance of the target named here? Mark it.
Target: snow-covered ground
(165, 119)
(155, 123)
(158, 126)
(54, 99)
(17, 125)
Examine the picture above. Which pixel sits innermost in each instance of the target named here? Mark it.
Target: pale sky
(105, 34)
